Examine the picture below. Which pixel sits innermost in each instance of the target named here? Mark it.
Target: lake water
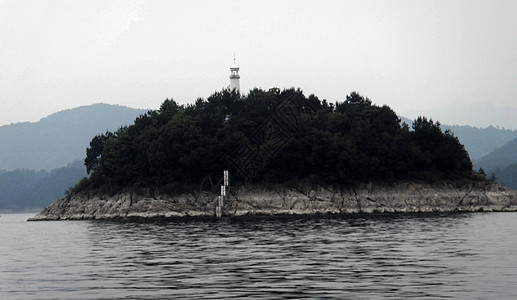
(467, 256)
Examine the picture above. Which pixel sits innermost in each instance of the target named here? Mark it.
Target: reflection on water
(393, 256)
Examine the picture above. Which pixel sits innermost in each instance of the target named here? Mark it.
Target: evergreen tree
(274, 136)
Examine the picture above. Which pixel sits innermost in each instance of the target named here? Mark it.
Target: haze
(409, 55)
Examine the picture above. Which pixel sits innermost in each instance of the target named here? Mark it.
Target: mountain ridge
(479, 114)
(59, 138)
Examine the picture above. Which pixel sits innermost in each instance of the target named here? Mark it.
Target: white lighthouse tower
(234, 77)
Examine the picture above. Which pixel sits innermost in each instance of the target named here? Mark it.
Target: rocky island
(288, 155)
(281, 200)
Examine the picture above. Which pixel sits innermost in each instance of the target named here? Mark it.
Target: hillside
(501, 158)
(507, 176)
(503, 163)
(29, 189)
(61, 138)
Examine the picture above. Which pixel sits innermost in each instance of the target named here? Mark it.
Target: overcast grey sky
(409, 54)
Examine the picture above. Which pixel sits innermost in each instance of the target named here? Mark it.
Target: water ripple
(391, 256)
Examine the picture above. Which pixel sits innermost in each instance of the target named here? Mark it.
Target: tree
(493, 178)
(94, 152)
(355, 99)
(303, 138)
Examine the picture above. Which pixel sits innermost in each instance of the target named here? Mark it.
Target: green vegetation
(478, 142)
(274, 136)
(481, 141)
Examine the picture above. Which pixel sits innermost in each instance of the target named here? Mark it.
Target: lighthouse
(234, 77)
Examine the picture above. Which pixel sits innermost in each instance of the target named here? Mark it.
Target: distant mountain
(501, 158)
(503, 163)
(28, 189)
(478, 141)
(507, 176)
(60, 138)
(477, 115)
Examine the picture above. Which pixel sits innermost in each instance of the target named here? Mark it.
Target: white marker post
(226, 180)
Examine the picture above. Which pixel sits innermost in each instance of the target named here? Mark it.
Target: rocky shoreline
(287, 199)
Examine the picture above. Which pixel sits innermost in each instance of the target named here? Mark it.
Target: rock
(292, 199)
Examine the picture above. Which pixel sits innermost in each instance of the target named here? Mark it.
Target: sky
(409, 55)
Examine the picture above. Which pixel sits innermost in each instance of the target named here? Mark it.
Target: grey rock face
(289, 199)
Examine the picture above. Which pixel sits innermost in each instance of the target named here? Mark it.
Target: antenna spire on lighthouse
(234, 76)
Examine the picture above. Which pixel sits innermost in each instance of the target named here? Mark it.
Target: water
(396, 256)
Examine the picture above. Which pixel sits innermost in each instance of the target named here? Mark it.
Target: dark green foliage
(493, 178)
(479, 142)
(442, 152)
(283, 133)
(93, 153)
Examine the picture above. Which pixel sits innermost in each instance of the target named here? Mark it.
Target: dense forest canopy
(274, 136)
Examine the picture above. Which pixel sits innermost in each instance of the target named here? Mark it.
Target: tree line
(342, 143)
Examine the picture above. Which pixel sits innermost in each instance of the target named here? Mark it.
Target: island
(284, 154)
